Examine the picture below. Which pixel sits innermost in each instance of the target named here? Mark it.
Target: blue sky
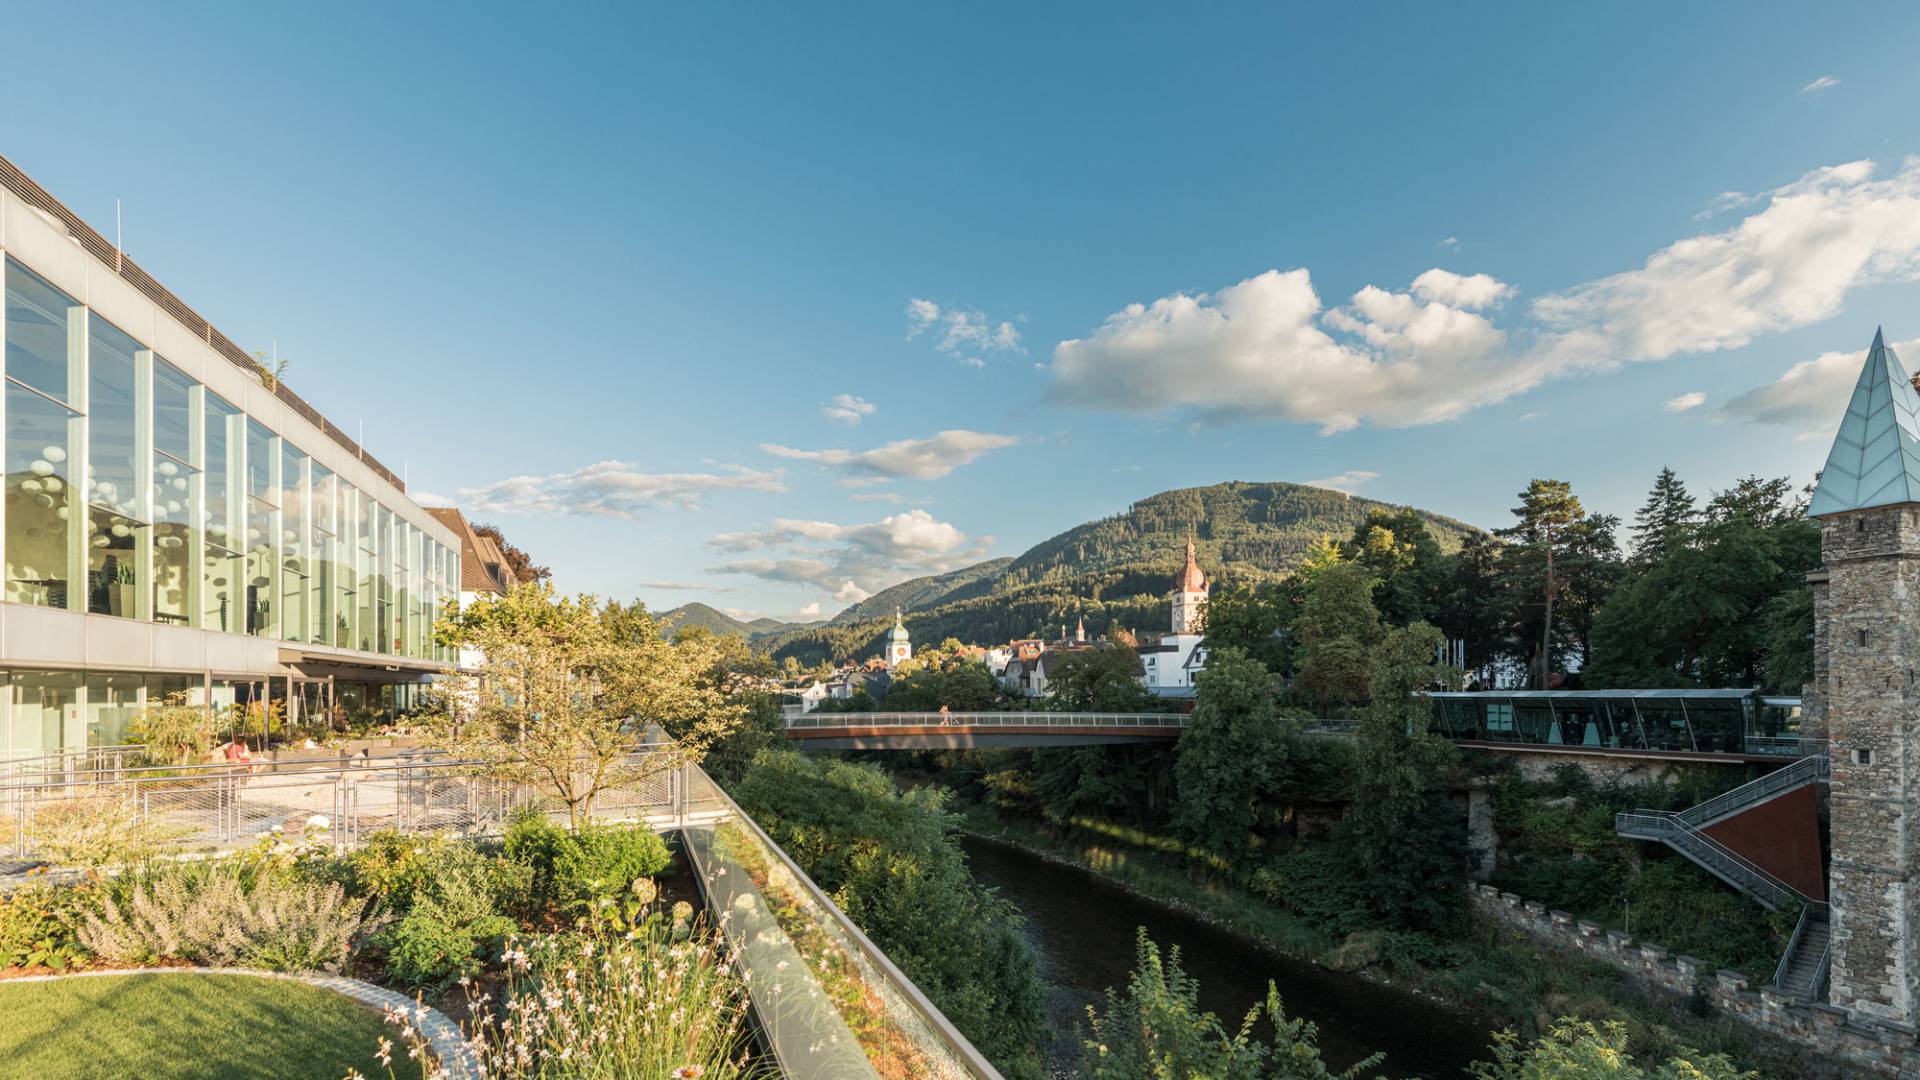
(599, 274)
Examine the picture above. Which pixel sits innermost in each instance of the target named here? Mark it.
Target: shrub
(1580, 1051)
(173, 733)
(92, 833)
(211, 916)
(40, 925)
(571, 871)
(446, 927)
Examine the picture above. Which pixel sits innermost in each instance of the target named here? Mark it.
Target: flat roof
(1689, 693)
(100, 248)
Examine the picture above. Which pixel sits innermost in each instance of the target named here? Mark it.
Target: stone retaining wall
(1852, 1048)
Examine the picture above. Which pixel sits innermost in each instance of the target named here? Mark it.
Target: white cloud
(914, 459)
(1265, 348)
(851, 562)
(1450, 243)
(612, 489)
(1810, 392)
(1726, 200)
(966, 332)
(877, 497)
(682, 586)
(428, 498)
(1686, 402)
(1345, 481)
(1824, 82)
(810, 611)
(1470, 291)
(848, 409)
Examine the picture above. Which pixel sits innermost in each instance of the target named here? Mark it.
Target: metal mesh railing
(1723, 862)
(988, 719)
(1808, 770)
(213, 808)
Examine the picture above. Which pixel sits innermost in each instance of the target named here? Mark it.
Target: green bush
(214, 915)
(571, 871)
(447, 902)
(40, 925)
(1581, 1051)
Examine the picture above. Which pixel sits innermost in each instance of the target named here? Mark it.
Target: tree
(1665, 521)
(1336, 630)
(1234, 762)
(518, 561)
(1577, 1050)
(1406, 561)
(1473, 606)
(1547, 511)
(1254, 618)
(1157, 1029)
(1099, 680)
(1405, 840)
(567, 688)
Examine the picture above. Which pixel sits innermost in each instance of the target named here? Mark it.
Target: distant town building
(1168, 666)
(899, 644)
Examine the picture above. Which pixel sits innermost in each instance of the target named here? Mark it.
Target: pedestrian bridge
(963, 730)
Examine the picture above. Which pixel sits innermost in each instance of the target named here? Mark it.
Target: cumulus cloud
(1346, 481)
(1461, 291)
(963, 333)
(1725, 201)
(850, 562)
(1266, 347)
(1686, 402)
(848, 409)
(912, 459)
(1824, 82)
(612, 489)
(683, 586)
(1811, 392)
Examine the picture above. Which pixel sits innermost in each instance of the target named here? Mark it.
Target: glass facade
(1689, 721)
(189, 513)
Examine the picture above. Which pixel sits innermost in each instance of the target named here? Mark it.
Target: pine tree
(1665, 521)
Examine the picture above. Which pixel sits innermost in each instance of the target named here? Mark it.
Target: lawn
(162, 1026)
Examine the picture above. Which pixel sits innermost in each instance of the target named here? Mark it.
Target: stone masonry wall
(1836, 1047)
(1871, 618)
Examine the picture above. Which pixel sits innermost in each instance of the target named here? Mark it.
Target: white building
(1168, 666)
(899, 645)
(484, 571)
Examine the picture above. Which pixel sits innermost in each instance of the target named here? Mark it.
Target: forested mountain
(920, 592)
(1113, 572)
(698, 614)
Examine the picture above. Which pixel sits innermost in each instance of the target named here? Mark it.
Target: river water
(1081, 927)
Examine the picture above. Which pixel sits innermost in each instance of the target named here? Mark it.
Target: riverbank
(1497, 974)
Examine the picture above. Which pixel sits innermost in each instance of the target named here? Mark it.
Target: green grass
(158, 1027)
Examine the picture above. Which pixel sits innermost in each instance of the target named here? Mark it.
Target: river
(1081, 927)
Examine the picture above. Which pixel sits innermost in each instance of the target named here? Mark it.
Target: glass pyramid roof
(1875, 459)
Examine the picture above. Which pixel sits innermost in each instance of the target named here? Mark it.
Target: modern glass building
(1738, 722)
(176, 523)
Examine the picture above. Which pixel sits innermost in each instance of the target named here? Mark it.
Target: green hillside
(920, 592)
(698, 614)
(1113, 572)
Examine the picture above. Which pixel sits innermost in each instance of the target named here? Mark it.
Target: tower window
(1860, 637)
(1863, 756)
(1860, 525)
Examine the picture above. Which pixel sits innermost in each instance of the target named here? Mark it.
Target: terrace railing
(1710, 854)
(987, 719)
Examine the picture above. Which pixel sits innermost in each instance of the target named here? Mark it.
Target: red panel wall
(1782, 836)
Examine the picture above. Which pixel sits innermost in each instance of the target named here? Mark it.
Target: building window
(116, 514)
(176, 495)
(223, 591)
(1860, 524)
(1860, 638)
(1863, 756)
(43, 431)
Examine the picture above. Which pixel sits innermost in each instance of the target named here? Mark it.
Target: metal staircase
(1802, 972)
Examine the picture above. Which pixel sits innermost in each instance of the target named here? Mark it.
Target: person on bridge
(946, 717)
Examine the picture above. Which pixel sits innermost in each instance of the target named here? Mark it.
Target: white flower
(319, 821)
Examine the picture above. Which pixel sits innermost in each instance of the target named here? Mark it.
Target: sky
(773, 306)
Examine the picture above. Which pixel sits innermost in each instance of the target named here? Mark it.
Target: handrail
(1763, 886)
(1807, 770)
(975, 1062)
(987, 719)
(1793, 946)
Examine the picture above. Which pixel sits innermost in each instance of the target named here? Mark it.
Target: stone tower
(1868, 609)
(1189, 594)
(899, 646)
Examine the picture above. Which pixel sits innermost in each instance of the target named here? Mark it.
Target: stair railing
(1807, 770)
(1718, 859)
(1785, 967)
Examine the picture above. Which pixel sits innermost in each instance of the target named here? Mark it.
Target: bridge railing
(987, 719)
(1807, 770)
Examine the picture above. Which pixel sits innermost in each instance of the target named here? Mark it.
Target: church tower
(899, 647)
(1868, 507)
(1189, 594)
